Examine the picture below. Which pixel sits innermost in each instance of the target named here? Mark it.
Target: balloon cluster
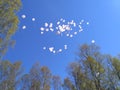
(62, 28)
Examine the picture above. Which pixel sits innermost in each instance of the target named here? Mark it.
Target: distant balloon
(65, 47)
(87, 23)
(42, 29)
(75, 33)
(42, 32)
(44, 48)
(51, 49)
(60, 50)
(51, 25)
(71, 35)
(54, 51)
(33, 19)
(46, 24)
(24, 27)
(23, 16)
(93, 41)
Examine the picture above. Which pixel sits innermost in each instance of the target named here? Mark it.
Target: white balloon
(93, 41)
(65, 46)
(46, 24)
(24, 27)
(42, 32)
(60, 50)
(75, 33)
(51, 49)
(54, 51)
(44, 48)
(33, 19)
(42, 29)
(23, 16)
(87, 23)
(71, 35)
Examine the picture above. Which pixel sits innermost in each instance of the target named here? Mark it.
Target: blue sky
(104, 28)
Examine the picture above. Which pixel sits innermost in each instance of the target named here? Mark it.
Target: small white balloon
(58, 23)
(71, 35)
(93, 41)
(51, 25)
(42, 32)
(47, 29)
(23, 16)
(42, 29)
(67, 35)
(51, 49)
(82, 20)
(80, 26)
(33, 19)
(75, 33)
(87, 23)
(63, 20)
(46, 24)
(44, 48)
(60, 50)
(57, 28)
(80, 30)
(97, 74)
(65, 46)
(54, 51)
(51, 29)
(74, 24)
(24, 27)
(58, 32)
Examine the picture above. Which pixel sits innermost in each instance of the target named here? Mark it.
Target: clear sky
(104, 27)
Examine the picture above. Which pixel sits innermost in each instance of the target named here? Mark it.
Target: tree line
(92, 71)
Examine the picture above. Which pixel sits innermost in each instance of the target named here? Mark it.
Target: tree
(45, 78)
(88, 72)
(56, 82)
(116, 67)
(25, 83)
(109, 75)
(94, 71)
(35, 77)
(80, 77)
(39, 78)
(9, 75)
(67, 84)
(74, 71)
(8, 23)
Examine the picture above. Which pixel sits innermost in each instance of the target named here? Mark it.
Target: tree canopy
(92, 71)
(8, 23)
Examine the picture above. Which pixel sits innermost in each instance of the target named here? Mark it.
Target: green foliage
(39, 78)
(116, 66)
(93, 71)
(67, 84)
(8, 22)
(56, 82)
(9, 75)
